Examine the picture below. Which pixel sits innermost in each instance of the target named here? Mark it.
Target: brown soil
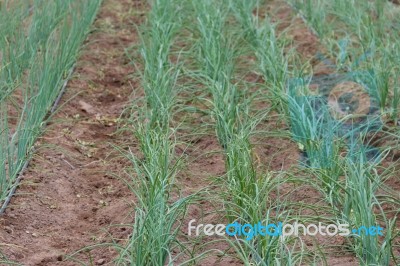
(70, 195)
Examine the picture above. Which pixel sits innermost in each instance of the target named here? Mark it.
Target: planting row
(344, 170)
(39, 45)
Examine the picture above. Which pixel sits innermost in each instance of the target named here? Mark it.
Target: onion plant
(361, 36)
(368, 53)
(35, 57)
(13, 42)
(272, 59)
(315, 131)
(158, 213)
(359, 204)
(157, 216)
(353, 198)
(216, 55)
(229, 110)
(247, 191)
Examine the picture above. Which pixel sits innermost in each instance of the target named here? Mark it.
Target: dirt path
(68, 197)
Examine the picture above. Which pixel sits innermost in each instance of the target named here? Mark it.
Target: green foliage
(157, 219)
(39, 45)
